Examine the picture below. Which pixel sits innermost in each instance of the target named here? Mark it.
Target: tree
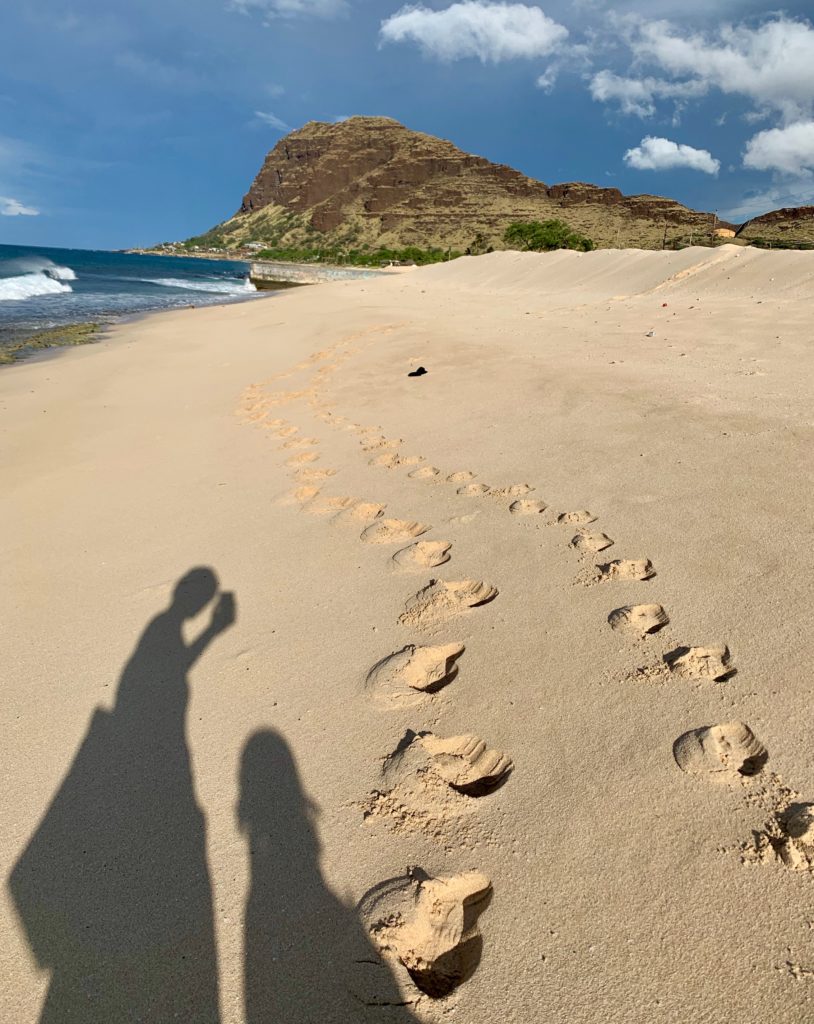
(537, 236)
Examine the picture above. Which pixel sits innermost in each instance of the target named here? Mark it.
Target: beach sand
(203, 793)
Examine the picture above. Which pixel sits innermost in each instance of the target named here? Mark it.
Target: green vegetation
(51, 337)
(779, 243)
(363, 257)
(544, 236)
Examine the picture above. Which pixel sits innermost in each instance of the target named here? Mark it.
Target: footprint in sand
(392, 531)
(580, 518)
(714, 662)
(424, 554)
(466, 764)
(387, 460)
(512, 491)
(640, 619)
(527, 507)
(424, 473)
(377, 444)
(461, 476)
(431, 782)
(300, 460)
(330, 506)
(732, 748)
(305, 494)
(301, 442)
(788, 838)
(308, 475)
(390, 460)
(364, 510)
(287, 431)
(429, 926)
(441, 600)
(473, 490)
(590, 541)
(407, 676)
(625, 569)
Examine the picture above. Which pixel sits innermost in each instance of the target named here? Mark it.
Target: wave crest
(227, 287)
(26, 286)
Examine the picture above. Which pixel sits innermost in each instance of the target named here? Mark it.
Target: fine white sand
(189, 830)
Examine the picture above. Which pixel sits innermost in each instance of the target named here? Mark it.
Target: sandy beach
(265, 593)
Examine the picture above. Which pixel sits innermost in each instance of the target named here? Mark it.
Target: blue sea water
(51, 287)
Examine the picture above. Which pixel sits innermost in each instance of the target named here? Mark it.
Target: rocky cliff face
(789, 226)
(370, 180)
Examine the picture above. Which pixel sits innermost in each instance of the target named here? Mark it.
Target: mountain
(790, 226)
(371, 181)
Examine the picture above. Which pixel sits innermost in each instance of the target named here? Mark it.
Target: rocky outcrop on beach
(372, 181)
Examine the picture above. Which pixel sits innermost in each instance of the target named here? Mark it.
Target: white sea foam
(227, 287)
(60, 273)
(26, 286)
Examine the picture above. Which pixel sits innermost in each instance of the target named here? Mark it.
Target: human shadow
(307, 958)
(113, 889)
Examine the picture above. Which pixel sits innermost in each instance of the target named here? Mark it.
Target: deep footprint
(429, 925)
(441, 600)
(590, 541)
(392, 531)
(527, 507)
(424, 554)
(407, 676)
(626, 569)
(714, 662)
(639, 619)
(731, 747)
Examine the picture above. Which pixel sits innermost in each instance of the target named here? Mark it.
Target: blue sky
(126, 124)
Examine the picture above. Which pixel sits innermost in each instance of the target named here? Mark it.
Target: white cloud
(272, 120)
(789, 150)
(654, 154)
(14, 208)
(548, 79)
(638, 95)
(772, 64)
(292, 8)
(492, 32)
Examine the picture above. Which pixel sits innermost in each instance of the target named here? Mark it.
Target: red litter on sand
(664, 305)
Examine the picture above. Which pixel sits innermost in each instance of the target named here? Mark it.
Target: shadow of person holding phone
(113, 889)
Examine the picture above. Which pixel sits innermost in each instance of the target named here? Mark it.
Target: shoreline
(27, 343)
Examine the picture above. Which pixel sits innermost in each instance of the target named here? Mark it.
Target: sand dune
(427, 739)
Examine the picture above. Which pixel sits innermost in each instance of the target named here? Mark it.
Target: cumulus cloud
(492, 32)
(772, 64)
(654, 154)
(272, 120)
(292, 8)
(789, 150)
(14, 208)
(638, 95)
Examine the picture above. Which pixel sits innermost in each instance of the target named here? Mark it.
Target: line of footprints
(427, 927)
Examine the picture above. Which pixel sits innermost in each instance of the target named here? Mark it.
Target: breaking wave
(26, 286)
(233, 287)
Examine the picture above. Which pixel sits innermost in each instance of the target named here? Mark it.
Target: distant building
(724, 233)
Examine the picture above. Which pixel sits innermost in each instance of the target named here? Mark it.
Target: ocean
(42, 288)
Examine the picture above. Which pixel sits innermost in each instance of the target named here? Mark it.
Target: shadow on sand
(113, 889)
(308, 960)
